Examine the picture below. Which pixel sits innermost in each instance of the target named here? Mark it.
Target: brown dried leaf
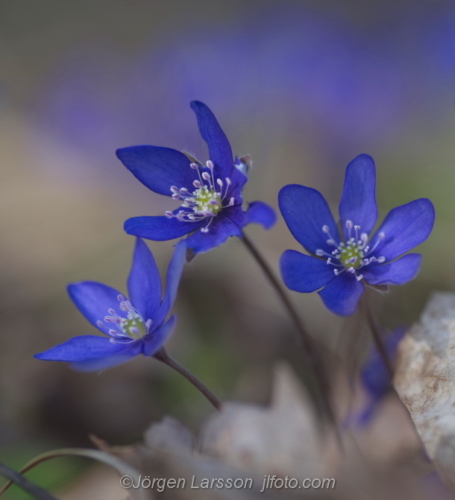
(283, 439)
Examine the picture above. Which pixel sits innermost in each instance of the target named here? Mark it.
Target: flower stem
(304, 337)
(24, 483)
(164, 357)
(377, 337)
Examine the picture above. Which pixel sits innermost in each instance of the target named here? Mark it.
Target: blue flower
(210, 195)
(340, 265)
(132, 327)
(375, 377)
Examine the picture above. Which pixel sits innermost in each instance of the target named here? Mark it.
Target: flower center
(352, 255)
(206, 201)
(132, 327)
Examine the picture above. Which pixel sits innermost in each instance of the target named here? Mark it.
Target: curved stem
(377, 337)
(163, 356)
(24, 483)
(101, 456)
(313, 357)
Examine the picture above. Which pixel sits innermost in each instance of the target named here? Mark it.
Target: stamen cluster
(132, 327)
(206, 201)
(353, 254)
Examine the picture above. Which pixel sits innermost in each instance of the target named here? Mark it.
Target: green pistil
(207, 200)
(133, 327)
(352, 255)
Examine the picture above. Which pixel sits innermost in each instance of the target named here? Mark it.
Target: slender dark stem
(317, 371)
(24, 483)
(377, 337)
(163, 356)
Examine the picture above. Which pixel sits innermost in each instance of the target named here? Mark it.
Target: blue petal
(144, 282)
(260, 213)
(93, 300)
(305, 211)
(404, 228)
(221, 228)
(159, 228)
(158, 168)
(90, 352)
(238, 180)
(174, 274)
(342, 294)
(156, 340)
(219, 148)
(374, 375)
(397, 272)
(303, 273)
(358, 202)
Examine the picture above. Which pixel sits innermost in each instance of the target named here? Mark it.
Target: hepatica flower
(375, 377)
(210, 194)
(342, 262)
(131, 327)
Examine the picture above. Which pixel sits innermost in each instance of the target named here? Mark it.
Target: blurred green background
(303, 86)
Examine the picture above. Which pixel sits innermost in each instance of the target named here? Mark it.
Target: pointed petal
(238, 180)
(158, 168)
(404, 228)
(358, 202)
(342, 295)
(159, 228)
(303, 273)
(144, 282)
(174, 273)
(156, 340)
(219, 148)
(260, 213)
(397, 272)
(305, 211)
(130, 351)
(90, 352)
(220, 230)
(93, 300)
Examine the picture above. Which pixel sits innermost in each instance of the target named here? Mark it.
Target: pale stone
(425, 381)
